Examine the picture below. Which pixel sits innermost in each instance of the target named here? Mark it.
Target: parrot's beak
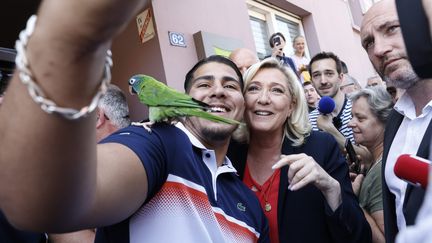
(131, 91)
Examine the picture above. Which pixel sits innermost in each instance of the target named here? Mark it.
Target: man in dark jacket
(410, 130)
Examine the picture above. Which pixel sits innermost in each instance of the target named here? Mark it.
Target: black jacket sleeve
(347, 223)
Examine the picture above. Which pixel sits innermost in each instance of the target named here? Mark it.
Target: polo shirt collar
(196, 143)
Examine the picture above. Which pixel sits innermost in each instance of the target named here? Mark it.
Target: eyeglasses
(107, 118)
(346, 85)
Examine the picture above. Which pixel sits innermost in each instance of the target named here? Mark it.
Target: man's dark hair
(273, 36)
(213, 58)
(344, 67)
(326, 55)
(307, 83)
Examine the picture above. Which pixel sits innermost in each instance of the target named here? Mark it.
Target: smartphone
(352, 156)
(276, 40)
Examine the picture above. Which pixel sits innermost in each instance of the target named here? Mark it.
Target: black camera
(276, 40)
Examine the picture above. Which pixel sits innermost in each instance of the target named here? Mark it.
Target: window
(290, 30)
(261, 36)
(266, 20)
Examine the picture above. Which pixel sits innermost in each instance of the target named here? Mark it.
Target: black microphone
(326, 105)
(412, 169)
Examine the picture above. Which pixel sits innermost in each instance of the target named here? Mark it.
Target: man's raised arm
(48, 163)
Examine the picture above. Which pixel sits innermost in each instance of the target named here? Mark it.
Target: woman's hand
(304, 170)
(356, 182)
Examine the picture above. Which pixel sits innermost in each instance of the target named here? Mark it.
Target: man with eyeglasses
(349, 84)
(374, 81)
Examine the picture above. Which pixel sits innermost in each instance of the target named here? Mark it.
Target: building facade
(187, 30)
(182, 32)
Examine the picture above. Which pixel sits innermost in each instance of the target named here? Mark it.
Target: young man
(410, 130)
(312, 97)
(174, 184)
(326, 72)
(277, 43)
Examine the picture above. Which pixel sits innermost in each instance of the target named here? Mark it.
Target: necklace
(267, 205)
(262, 191)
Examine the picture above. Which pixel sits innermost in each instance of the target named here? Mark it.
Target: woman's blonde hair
(297, 126)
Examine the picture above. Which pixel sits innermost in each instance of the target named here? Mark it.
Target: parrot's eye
(131, 81)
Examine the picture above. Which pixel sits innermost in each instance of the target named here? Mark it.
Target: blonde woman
(300, 59)
(307, 196)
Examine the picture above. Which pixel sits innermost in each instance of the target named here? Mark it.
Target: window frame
(269, 14)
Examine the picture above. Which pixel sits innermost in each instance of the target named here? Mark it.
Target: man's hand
(277, 51)
(325, 123)
(60, 176)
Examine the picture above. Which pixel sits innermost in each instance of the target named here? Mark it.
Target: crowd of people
(290, 174)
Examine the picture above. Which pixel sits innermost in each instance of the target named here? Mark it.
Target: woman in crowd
(370, 110)
(300, 59)
(307, 196)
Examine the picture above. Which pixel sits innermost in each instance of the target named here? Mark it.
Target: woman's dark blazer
(304, 215)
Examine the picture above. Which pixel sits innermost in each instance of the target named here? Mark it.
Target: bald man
(243, 58)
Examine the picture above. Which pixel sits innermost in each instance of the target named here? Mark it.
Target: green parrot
(166, 103)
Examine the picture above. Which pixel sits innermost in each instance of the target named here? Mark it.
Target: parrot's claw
(145, 125)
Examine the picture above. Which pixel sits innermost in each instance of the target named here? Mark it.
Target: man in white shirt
(410, 129)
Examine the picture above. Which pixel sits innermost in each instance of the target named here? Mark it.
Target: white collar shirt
(406, 141)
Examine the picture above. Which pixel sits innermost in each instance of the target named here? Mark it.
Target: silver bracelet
(35, 90)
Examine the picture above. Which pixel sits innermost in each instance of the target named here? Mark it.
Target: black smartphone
(352, 156)
(276, 40)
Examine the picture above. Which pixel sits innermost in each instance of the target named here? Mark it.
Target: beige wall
(222, 17)
(327, 25)
(170, 63)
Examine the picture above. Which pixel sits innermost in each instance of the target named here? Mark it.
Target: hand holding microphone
(326, 105)
(326, 122)
(412, 169)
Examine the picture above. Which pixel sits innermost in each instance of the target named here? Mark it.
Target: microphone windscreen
(326, 105)
(412, 169)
